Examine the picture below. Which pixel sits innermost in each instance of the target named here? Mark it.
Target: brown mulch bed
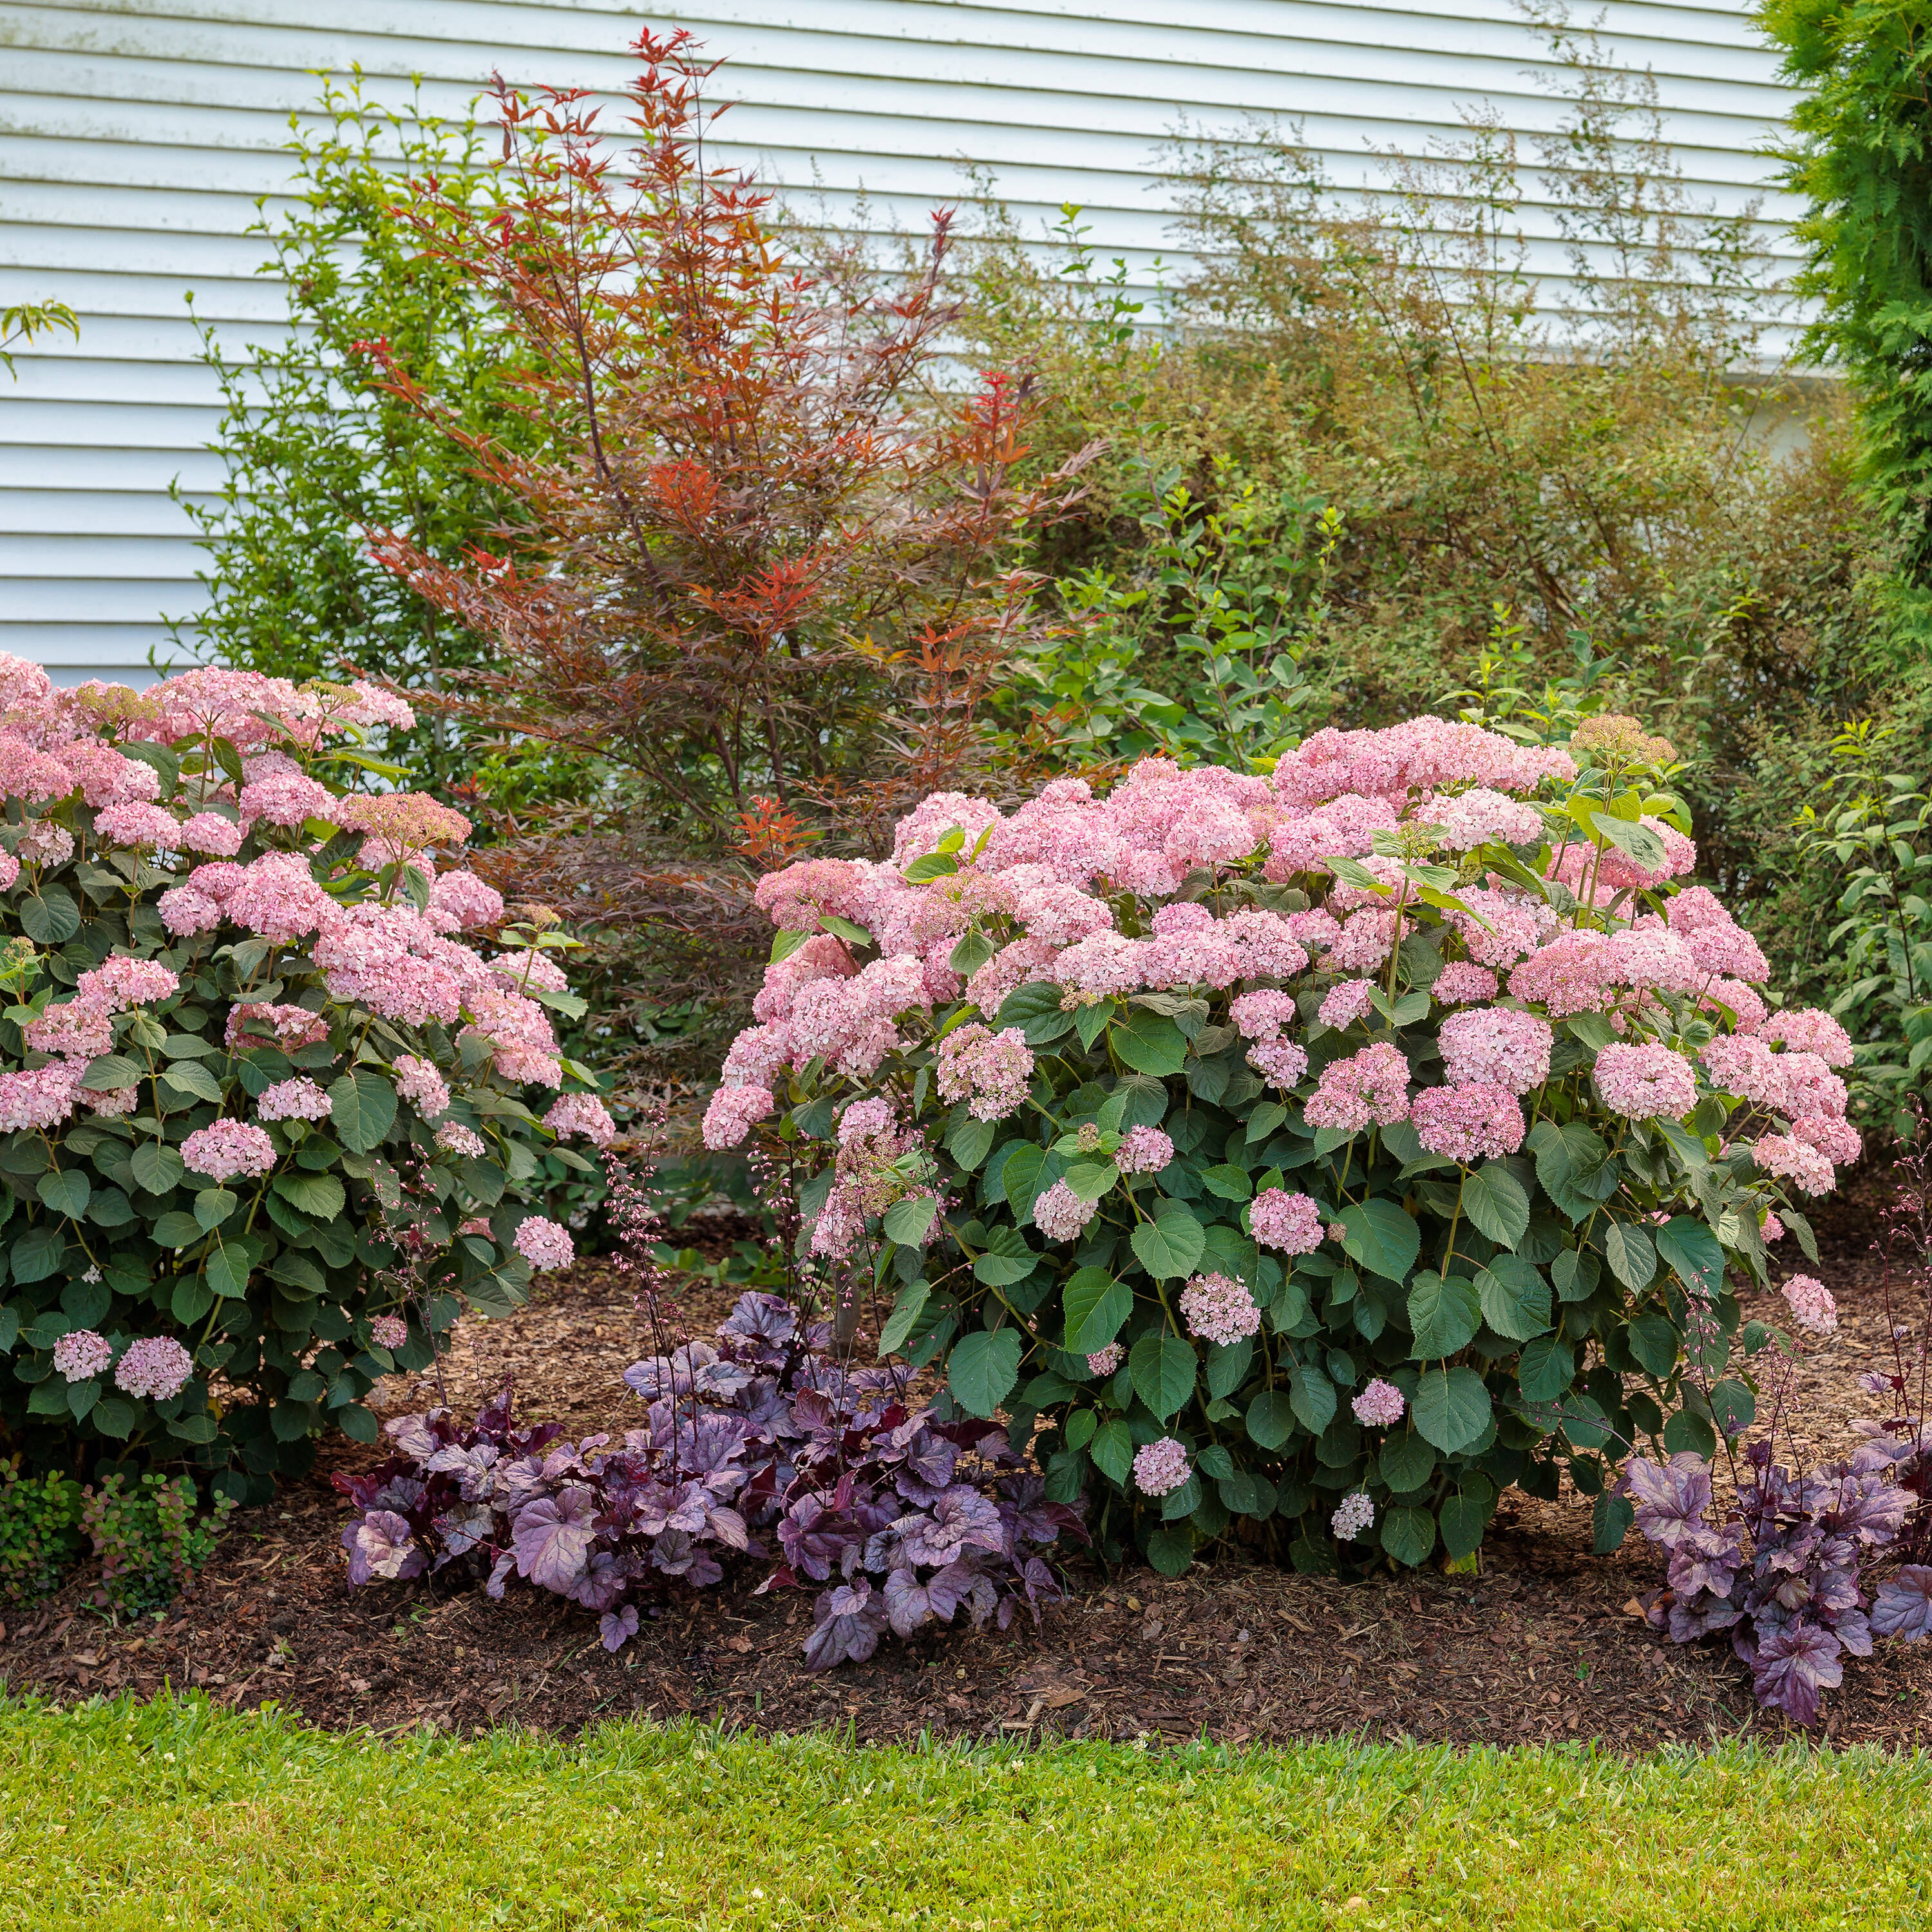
(1543, 1645)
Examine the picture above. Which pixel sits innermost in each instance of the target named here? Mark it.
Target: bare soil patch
(1542, 1645)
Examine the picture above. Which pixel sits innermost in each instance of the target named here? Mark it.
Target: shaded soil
(1545, 1644)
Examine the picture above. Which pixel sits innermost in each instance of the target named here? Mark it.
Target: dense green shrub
(1860, 154)
(40, 1530)
(318, 452)
(262, 1128)
(1195, 1126)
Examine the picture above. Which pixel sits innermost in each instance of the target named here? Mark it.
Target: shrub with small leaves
(40, 1532)
(237, 1021)
(149, 1540)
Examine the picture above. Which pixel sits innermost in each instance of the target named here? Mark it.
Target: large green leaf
(1515, 1297)
(1270, 1419)
(227, 1270)
(363, 1106)
(1091, 1179)
(971, 1141)
(49, 917)
(157, 1166)
(1007, 1259)
(1095, 1305)
(1631, 1255)
(982, 1368)
(1168, 1248)
(1311, 1395)
(1443, 1315)
(175, 1229)
(1654, 1340)
(213, 1206)
(1493, 1198)
(1693, 1250)
(1161, 1368)
(1112, 1449)
(111, 1071)
(191, 1078)
(1452, 1408)
(38, 1253)
(1407, 1461)
(1408, 1535)
(1149, 1042)
(1035, 1009)
(907, 1221)
(1018, 1178)
(1381, 1237)
(1463, 1520)
(1227, 1181)
(907, 1309)
(1545, 1368)
(320, 1194)
(66, 1191)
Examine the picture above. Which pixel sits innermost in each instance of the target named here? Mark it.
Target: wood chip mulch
(1543, 1645)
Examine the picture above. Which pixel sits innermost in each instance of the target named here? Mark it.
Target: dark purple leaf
(961, 1518)
(849, 1619)
(1903, 1607)
(382, 1544)
(1669, 1498)
(1793, 1665)
(552, 1535)
(618, 1626)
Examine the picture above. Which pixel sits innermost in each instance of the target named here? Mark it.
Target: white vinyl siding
(134, 139)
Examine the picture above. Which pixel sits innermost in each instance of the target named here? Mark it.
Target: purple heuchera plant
(760, 1438)
(1783, 1568)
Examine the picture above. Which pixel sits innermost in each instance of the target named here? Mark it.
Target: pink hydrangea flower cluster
(1469, 1120)
(1496, 1046)
(1811, 1304)
(1143, 1150)
(230, 1151)
(1161, 1467)
(581, 1114)
(299, 1099)
(544, 1243)
(389, 1331)
(1380, 1405)
(81, 1354)
(1292, 1222)
(1105, 1361)
(419, 1083)
(989, 1071)
(1060, 1214)
(1646, 1081)
(453, 1137)
(1369, 1086)
(155, 1368)
(1218, 1308)
(1354, 1515)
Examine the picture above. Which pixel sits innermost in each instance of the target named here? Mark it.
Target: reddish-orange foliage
(770, 558)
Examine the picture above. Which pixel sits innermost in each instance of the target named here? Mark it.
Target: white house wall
(134, 139)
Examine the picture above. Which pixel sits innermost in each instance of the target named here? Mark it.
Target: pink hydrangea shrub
(1290, 1106)
(208, 1170)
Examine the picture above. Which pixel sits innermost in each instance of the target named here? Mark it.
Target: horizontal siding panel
(92, 559)
(141, 473)
(96, 512)
(137, 136)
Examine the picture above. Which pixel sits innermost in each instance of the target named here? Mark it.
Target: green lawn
(176, 1813)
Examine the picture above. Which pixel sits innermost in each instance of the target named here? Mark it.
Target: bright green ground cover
(144, 1816)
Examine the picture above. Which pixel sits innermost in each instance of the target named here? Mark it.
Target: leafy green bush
(262, 1128)
(150, 1539)
(40, 1530)
(318, 452)
(1195, 1127)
